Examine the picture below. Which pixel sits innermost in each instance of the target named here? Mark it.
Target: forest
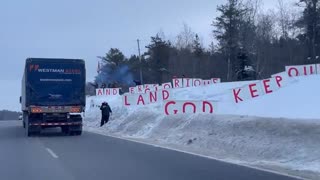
(9, 115)
(248, 43)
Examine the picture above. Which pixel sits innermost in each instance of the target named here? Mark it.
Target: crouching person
(105, 113)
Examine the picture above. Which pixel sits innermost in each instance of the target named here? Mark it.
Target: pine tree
(114, 58)
(135, 65)
(245, 70)
(158, 57)
(197, 47)
(114, 69)
(227, 31)
(310, 24)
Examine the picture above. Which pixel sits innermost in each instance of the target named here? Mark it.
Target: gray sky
(86, 29)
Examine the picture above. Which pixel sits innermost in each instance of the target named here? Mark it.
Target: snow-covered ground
(278, 131)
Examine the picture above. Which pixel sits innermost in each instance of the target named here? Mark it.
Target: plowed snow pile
(278, 131)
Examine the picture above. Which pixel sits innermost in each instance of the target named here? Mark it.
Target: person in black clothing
(95, 85)
(105, 113)
(113, 85)
(137, 82)
(103, 85)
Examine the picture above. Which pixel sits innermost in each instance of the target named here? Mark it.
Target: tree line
(9, 115)
(245, 38)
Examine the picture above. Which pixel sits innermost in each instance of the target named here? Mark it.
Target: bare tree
(253, 6)
(265, 35)
(284, 19)
(185, 38)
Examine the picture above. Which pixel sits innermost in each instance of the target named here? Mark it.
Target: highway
(54, 156)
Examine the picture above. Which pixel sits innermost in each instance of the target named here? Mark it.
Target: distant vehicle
(20, 117)
(53, 95)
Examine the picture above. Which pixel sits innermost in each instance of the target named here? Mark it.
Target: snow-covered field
(278, 131)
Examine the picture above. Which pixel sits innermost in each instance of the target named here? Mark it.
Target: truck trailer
(53, 95)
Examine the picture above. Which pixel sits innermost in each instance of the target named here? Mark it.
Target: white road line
(200, 155)
(52, 153)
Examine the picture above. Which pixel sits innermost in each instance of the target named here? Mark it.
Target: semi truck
(53, 95)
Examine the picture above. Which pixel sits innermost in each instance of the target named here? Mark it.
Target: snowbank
(297, 100)
(257, 132)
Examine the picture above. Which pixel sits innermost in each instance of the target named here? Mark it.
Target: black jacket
(105, 109)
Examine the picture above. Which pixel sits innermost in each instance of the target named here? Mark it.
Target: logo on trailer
(34, 67)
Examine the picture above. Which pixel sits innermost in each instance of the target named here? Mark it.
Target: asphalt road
(92, 156)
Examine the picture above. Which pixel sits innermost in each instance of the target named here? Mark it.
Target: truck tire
(32, 133)
(28, 132)
(75, 130)
(77, 133)
(27, 127)
(24, 117)
(65, 129)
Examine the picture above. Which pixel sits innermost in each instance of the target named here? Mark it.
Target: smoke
(120, 74)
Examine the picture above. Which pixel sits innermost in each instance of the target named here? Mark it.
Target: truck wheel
(27, 128)
(28, 132)
(24, 118)
(65, 129)
(77, 133)
(32, 133)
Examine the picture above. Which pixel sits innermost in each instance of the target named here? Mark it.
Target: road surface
(53, 156)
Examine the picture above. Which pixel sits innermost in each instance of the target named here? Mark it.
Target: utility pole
(141, 79)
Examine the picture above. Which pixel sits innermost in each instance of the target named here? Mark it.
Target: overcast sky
(89, 28)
